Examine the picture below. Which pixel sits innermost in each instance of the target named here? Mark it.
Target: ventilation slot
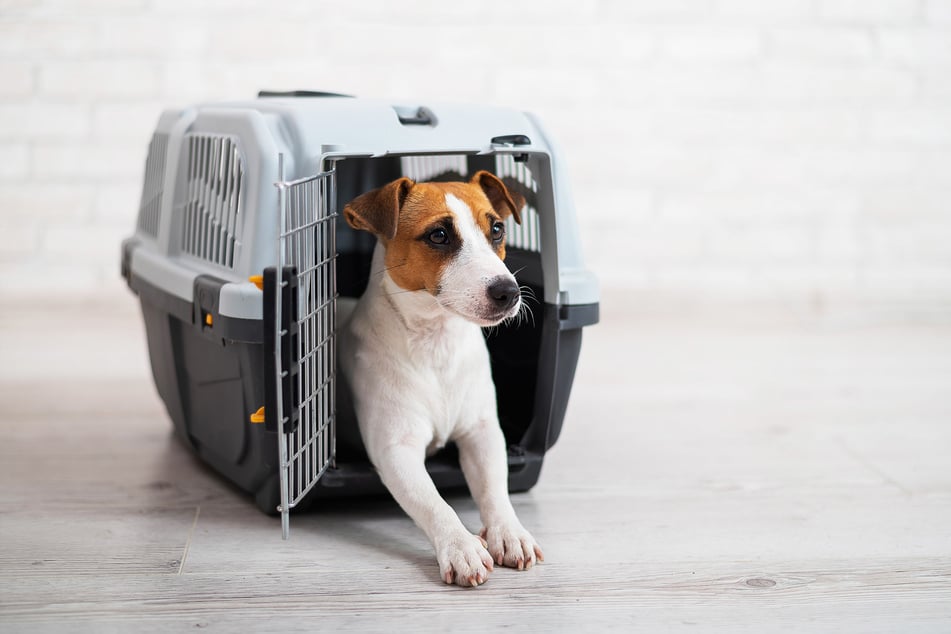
(517, 177)
(150, 209)
(213, 198)
(447, 167)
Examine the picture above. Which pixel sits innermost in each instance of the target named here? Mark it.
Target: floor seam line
(874, 468)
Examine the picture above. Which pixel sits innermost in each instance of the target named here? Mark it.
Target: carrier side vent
(518, 177)
(150, 209)
(213, 198)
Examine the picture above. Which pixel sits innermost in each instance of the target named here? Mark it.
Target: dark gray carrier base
(212, 377)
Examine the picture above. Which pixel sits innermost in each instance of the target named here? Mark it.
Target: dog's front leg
(482, 456)
(462, 556)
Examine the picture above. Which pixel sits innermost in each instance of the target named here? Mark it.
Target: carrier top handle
(300, 93)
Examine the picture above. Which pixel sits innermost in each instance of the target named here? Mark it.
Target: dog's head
(447, 239)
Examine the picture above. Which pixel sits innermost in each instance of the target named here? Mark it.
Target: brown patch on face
(413, 262)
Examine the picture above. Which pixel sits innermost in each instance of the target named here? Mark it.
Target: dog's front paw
(464, 560)
(512, 546)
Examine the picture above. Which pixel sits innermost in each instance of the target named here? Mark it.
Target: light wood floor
(737, 470)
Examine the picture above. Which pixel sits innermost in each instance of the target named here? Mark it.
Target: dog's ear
(503, 200)
(378, 211)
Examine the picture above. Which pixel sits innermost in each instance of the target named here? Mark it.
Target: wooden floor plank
(736, 597)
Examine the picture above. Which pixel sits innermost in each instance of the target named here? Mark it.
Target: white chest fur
(423, 370)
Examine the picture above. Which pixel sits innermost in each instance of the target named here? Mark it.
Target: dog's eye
(439, 236)
(498, 231)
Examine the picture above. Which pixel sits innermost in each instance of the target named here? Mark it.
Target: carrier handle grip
(410, 115)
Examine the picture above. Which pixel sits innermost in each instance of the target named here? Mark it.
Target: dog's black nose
(503, 292)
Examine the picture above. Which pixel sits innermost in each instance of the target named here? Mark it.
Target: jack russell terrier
(418, 366)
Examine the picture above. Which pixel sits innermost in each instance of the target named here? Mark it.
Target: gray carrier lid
(210, 205)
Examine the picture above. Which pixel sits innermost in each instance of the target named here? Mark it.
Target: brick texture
(736, 147)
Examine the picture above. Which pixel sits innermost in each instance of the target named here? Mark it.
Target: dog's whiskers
(458, 300)
(406, 290)
(528, 293)
(390, 268)
(525, 311)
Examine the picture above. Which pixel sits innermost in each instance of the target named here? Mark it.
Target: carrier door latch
(511, 139)
(280, 376)
(207, 291)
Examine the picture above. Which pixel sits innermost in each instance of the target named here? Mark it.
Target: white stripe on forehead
(465, 224)
(465, 280)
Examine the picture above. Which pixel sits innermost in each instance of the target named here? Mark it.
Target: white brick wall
(792, 148)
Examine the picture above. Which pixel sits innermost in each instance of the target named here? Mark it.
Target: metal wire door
(304, 341)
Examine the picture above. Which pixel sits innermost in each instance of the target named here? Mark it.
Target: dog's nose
(503, 292)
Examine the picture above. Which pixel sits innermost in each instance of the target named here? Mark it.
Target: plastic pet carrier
(239, 260)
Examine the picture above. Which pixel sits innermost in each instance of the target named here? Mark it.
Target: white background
(737, 148)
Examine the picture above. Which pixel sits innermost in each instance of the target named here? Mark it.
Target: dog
(417, 363)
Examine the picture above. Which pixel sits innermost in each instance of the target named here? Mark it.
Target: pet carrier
(239, 260)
